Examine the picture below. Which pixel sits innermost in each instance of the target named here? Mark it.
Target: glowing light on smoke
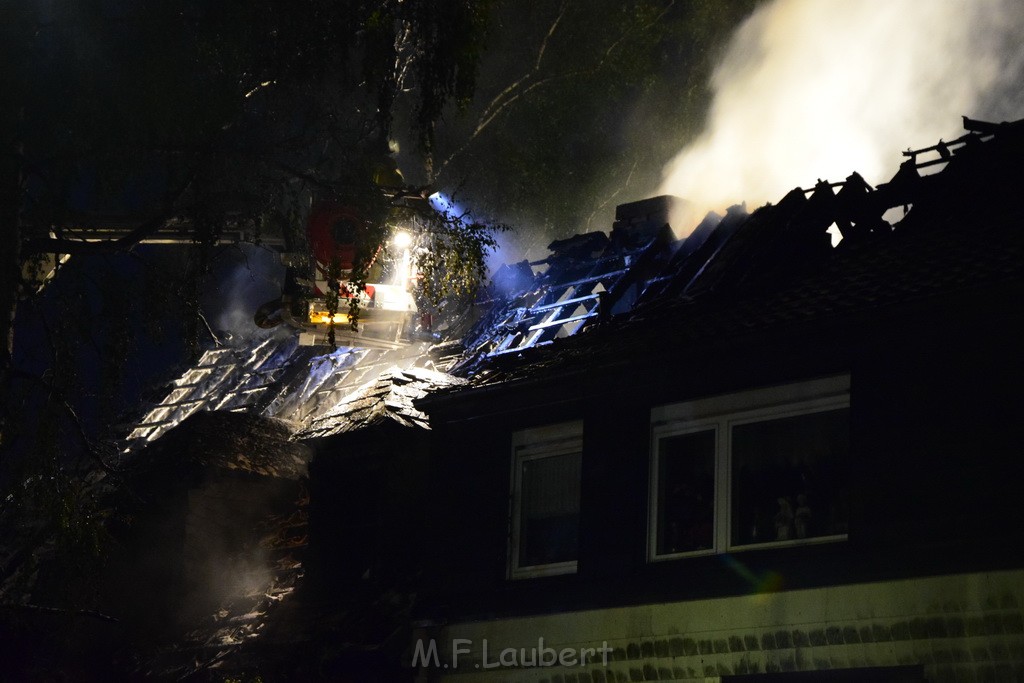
(814, 89)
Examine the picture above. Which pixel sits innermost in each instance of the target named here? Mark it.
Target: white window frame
(722, 413)
(533, 444)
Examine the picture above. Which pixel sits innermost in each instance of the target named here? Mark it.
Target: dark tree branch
(521, 87)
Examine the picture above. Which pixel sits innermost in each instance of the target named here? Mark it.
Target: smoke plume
(814, 89)
(244, 277)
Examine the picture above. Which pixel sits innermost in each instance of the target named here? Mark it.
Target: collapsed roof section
(388, 398)
(271, 377)
(584, 278)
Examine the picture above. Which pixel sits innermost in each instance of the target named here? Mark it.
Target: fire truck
(383, 312)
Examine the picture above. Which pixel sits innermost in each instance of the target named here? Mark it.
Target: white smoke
(814, 89)
(243, 277)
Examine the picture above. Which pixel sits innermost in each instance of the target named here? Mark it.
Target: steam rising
(814, 89)
(245, 277)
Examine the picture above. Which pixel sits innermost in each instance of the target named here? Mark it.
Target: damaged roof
(916, 236)
(388, 398)
(272, 377)
(585, 277)
(954, 229)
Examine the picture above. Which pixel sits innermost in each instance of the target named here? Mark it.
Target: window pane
(549, 509)
(790, 478)
(686, 492)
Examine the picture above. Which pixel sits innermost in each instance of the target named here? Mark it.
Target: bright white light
(443, 204)
(440, 202)
(402, 239)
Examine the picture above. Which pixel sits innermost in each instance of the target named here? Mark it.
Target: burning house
(743, 454)
(761, 458)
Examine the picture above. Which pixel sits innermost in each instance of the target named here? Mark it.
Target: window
(545, 500)
(757, 469)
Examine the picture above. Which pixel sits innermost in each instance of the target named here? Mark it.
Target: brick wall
(967, 627)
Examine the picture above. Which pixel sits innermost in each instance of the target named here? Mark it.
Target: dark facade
(807, 424)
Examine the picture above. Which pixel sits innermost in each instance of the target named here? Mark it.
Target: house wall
(935, 472)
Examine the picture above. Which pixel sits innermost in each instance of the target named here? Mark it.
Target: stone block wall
(967, 627)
